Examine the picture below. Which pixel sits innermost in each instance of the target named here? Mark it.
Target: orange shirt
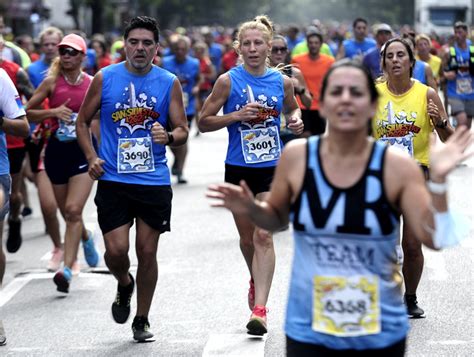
(313, 72)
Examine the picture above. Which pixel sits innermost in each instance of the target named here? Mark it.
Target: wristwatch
(443, 124)
(170, 138)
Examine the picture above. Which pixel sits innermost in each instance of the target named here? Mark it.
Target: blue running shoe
(90, 252)
(62, 279)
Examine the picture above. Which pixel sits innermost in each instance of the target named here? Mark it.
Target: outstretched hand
(237, 199)
(445, 157)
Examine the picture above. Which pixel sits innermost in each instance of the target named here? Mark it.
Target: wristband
(170, 138)
(437, 188)
(443, 124)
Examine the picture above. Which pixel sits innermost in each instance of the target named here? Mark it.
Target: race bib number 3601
(260, 145)
(346, 306)
(135, 155)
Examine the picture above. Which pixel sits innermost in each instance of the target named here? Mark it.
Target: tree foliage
(173, 13)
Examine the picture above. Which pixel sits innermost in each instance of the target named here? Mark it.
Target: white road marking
(450, 342)
(18, 283)
(234, 345)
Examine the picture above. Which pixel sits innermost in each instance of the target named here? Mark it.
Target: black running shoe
(27, 211)
(14, 236)
(141, 329)
(121, 305)
(413, 310)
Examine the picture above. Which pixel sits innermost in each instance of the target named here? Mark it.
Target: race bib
(404, 143)
(346, 306)
(135, 155)
(260, 145)
(67, 131)
(464, 85)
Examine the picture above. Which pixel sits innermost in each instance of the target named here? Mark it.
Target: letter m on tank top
(361, 209)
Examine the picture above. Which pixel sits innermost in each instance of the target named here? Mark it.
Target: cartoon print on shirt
(135, 112)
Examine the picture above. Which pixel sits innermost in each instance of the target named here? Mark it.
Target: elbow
(24, 131)
(201, 125)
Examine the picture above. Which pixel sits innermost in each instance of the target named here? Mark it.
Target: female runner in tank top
(407, 113)
(279, 59)
(65, 164)
(252, 96)
(345, 193)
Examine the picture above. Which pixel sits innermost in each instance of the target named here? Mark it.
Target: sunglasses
(68, 51)
(279, 49)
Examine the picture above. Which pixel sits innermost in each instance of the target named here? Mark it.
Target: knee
(115, 253)
(412, 249)
(263, 237)
(15, 198)
(73, 213)
(146, 254)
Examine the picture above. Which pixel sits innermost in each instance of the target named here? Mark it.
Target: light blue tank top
(345, 288)
(256, 143)
(130, 104)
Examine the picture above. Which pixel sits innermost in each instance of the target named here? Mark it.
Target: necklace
(76, 81)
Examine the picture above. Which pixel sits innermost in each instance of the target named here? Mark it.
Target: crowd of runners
(322, 124)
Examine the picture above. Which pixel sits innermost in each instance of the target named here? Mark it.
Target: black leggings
(301, 349)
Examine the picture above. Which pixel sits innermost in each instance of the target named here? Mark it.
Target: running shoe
(181, 180)
(14, 236)
(257, 324)
(141, 329)
(3, 337)
(56, 258)
(413, 310)
(90, 252)
(121, 305)
(26, 211)
(76, 268)
(251, 295)
(62, 279)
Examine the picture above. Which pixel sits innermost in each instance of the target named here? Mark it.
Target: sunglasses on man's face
(68, 51)
(279, 49)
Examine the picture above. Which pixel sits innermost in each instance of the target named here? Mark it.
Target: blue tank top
(130, 104)
(419, 72)
(255, 143)
(353, 48)
(345, 288)
(463, 86)
(187, 73)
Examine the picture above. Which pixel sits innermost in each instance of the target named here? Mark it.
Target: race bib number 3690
(346, 306)
(135, 155)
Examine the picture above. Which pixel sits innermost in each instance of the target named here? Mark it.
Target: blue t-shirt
(130, 104)
(215, 53)
(255, 143)
(372, 62)
(354, 48)
(37, 71)
(187, 73)
(419, 71)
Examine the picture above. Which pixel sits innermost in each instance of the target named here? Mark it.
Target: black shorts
(313, 122)
(63, 160)
(301, 349)
(259, 179)
(34, 153)
(16, 157)
(120, 203)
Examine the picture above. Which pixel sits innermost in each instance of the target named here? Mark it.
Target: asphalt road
(200, 305)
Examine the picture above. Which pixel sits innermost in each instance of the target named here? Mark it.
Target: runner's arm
(177, 116)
